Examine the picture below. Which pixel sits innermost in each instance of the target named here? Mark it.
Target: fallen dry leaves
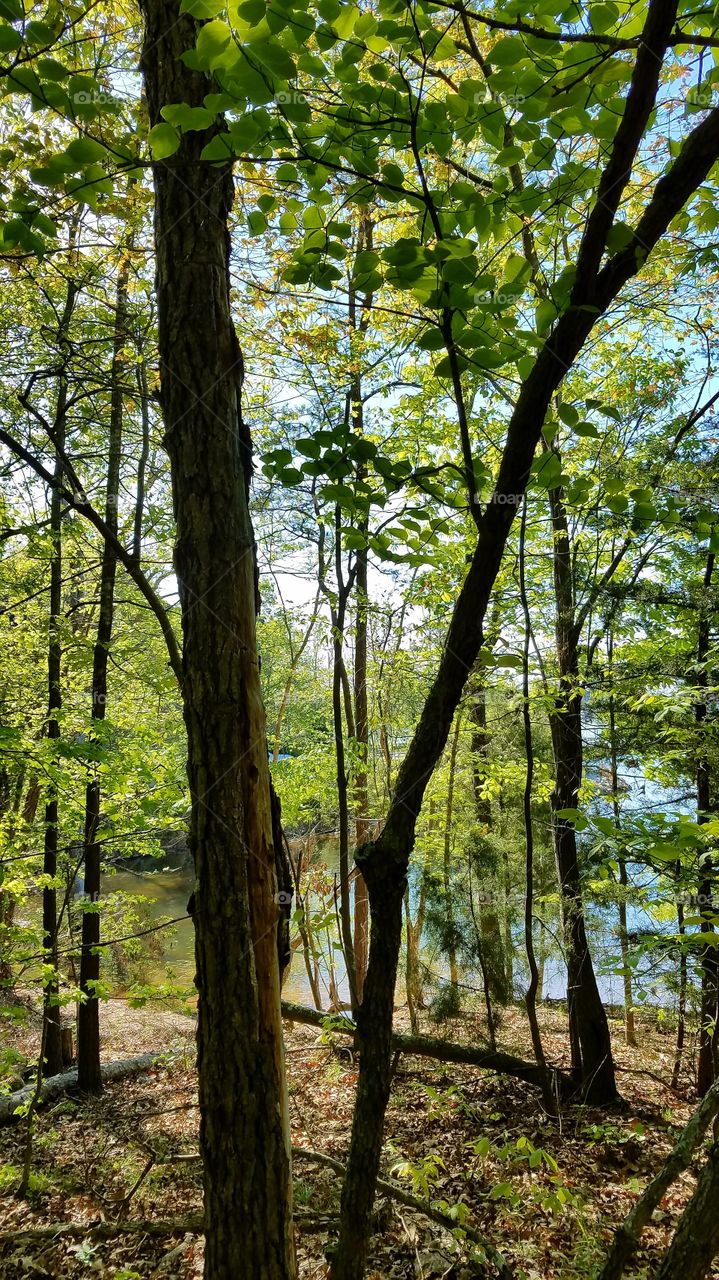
(89, 1155)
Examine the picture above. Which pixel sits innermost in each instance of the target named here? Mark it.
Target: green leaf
(187, 118)
(508, 52)
(602, 16)
(213, 39)
(290, 477)
(568, 415)
(10, 39)
(275, 58)
(257, 222)
(84, 151)
(40, 33)
(218, 148)
(50, 68)
(509, 156)
(164, 141)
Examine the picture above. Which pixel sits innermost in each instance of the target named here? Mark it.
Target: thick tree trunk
(244, 1127)
(88, 1014)
(590, 1042)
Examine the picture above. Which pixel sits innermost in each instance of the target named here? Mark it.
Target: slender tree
(52, 1041)
(384, 862)
(89, 1075)
(590, 1042)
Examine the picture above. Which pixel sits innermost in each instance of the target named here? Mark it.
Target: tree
(244, 1133)
(88, 1023)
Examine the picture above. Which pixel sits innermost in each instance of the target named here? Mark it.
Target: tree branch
(79, 503)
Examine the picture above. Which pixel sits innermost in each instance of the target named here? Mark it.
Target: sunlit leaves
(164, 141)
(187, 118)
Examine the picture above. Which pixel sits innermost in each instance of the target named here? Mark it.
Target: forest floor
(459, 1134)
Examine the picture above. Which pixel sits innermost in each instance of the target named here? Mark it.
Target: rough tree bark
(244, 1128)
(384, 862)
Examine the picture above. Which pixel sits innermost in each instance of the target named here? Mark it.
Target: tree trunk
(627, 1236)
(450, 926)
(51, 1010)
(590, 1042)
(52, 1040)
(384, 862)
(682, 994)
(139, 514)
(244, 1123)
(413, 973)
(361, 900)
(486, 918)
(630, 1034)
(88, 1015)
(696, 1242)
(706, 1066)
(338, 615)
(359, 311)
(413, 933)
(533, 987)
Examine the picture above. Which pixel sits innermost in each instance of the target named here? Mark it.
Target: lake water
(172, 955)
(168, 892)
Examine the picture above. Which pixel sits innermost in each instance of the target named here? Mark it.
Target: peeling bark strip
(244, 1130)
(384, 862)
